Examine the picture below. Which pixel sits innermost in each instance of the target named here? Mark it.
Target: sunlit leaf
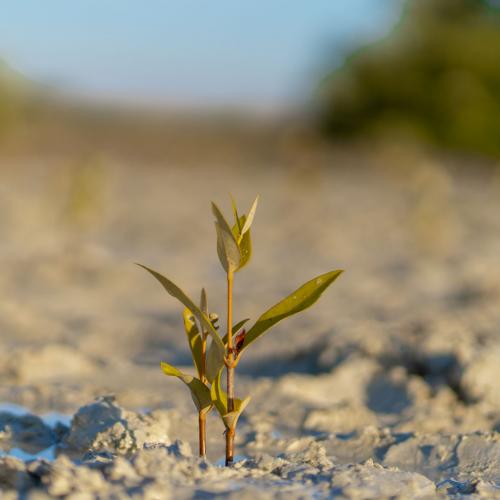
(214, 362)
(219, 399)
(227, 246)
(231, 419)
(300, 299)
(227, 249)
(244, 243)
(173, 290)
(194, 338)
(203, 301)
(199, 391)
(236, 216)
(250, 216)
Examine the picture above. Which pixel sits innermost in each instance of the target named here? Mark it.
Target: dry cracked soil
(387, 388)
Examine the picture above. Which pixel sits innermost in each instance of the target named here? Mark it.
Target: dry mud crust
(172, 472)
(397, 363)
(110, 452)
(104, 426)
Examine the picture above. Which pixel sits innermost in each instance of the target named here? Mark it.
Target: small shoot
(196, 334)
(234, 248)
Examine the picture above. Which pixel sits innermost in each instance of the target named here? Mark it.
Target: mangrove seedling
(234, 248)
(196, 320)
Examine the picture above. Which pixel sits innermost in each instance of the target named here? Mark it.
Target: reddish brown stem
(202, 418)
(230, 369)
(202, 421)
(229, 446)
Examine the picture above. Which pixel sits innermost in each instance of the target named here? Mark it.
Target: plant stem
(202, 429)
(202, 418)
(230, 369)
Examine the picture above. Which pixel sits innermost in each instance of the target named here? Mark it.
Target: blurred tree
(437, 76)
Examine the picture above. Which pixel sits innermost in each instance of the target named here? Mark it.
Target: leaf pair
(234, 246)
(205, 398)
(219, 399)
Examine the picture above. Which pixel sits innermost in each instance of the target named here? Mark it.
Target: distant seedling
(234, 249)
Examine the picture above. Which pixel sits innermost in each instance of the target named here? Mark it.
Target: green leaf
(218, 396)
(199, 391)
(227, 246)
(250, 216)
(244, 244)
(300, 299)
(203, 301)
(236, 216)
(173, 290)
(214, 360)
(219, 399)
(194, 338)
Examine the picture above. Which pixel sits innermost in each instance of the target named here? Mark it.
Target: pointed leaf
(173, 290)
(203, 301)
(227, 250)
(214, 363)
(231, 419)
(300, 299)
(227, 247)
(250, 216)
(194, 339)
(236, 216)
(199, 391)
(219, 399)
(244, 244)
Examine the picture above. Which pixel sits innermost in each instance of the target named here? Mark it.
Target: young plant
(198, 325)
(234, 249)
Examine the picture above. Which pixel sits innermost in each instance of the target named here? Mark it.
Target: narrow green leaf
(227, 250)
(236, 216)
(199, 391)
(194, 338)
(173, 290)
(300, 299)
(250, 216)
(204, 302)
(227, 246)
(244, 244)
(214, 362)
(231, 419)
(219, 399)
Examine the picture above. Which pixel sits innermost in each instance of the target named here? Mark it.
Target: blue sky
(186, 52)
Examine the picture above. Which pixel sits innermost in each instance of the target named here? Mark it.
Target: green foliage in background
(437, 76)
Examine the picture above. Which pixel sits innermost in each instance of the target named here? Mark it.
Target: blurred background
(371, 130)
